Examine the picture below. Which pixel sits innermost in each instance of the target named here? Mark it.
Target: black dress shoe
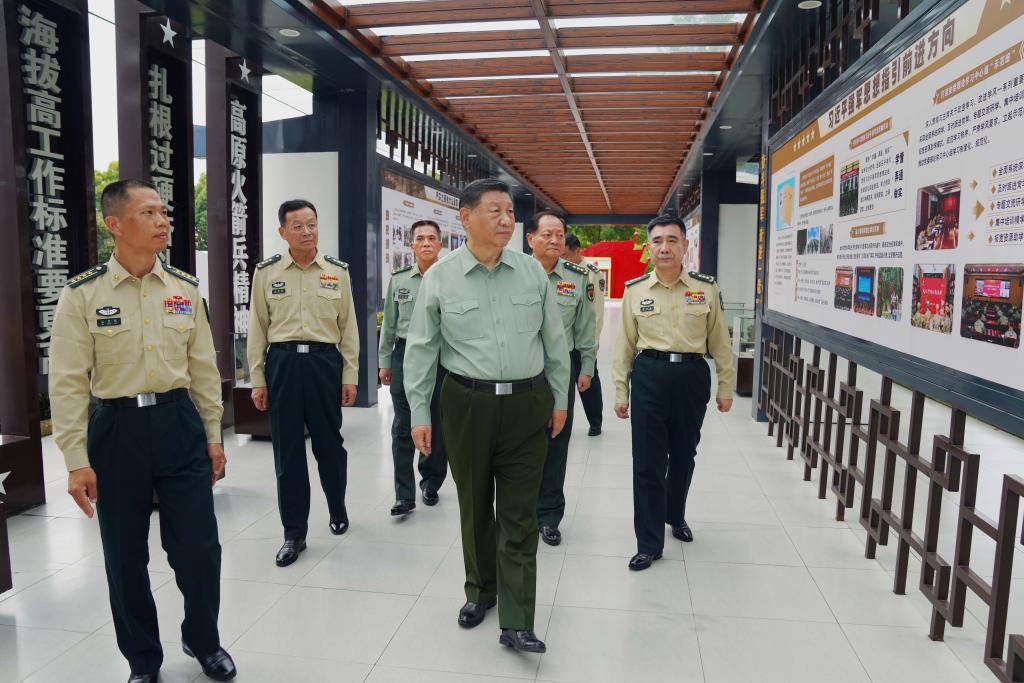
(340, 525)
(402, 508)
(642, 561)
(521, 641)
(594, 431)
(219, 666)
(289, 552)
(472, 613)
(683, 533)
(550, 535)
(143, 678)
(430, 496)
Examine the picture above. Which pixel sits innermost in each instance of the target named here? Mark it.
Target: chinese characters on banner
(41, 71)
(161, 133)
(239, 218)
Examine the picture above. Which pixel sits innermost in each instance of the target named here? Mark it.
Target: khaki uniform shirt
(575, 299)
(292, 304)
(121, 336)
(597, 280)
(398, 306)
(497, 325)
(684, 317)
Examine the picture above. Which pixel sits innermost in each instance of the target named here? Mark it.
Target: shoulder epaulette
(593, 267)
(331, 259)
(401, 270)
(575, 268)
(87, 275)
(702, 277)
(267, 261)
(638, 279)
(181, 274)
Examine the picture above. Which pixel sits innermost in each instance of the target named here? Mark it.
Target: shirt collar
(287, 260)
(655, 281)
(118, 273)
(559, 269)
(468, 262)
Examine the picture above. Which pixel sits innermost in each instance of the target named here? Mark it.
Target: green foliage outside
(592, 234)
(105, 241)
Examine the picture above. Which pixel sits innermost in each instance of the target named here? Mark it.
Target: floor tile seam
(904, 628)
(58, 655)
(394, 633)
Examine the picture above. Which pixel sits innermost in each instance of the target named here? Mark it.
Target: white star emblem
(3, 476)
(245, 71)
(169, 32)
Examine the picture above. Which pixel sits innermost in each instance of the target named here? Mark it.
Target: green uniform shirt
(398, 305)
(575, 298)
(497, 325)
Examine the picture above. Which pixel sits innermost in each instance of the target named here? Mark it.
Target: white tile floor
(773, 589)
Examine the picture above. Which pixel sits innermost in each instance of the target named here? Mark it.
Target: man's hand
(583, 383)
(421, 438)
(259, 398)
(622, 410)
(348, 395)
(217, 460)
(385, 376)
(724, 404)
(557, 421)
(82, 487)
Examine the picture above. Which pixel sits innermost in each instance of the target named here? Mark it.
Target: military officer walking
(303, 354)
(593, 402)
(134, 331)
(425, 237)
(489, 313)
(670, 319)
(575, 298)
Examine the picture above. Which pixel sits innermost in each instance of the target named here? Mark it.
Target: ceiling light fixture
(809, 4)
(709, 154)
(725, 127)
(289, 33)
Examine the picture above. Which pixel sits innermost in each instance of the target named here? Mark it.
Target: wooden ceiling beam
(532, 66)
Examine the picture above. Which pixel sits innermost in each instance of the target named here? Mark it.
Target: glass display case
(743, 337)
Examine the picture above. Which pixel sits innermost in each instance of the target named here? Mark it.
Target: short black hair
(116, 192)
(420, 224)
(572, 242)
(534, 223)
(666, 219)
(294, 205)
(472, 193)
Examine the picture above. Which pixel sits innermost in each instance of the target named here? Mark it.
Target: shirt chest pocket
(176, 331)
(695, 321)
(647, 308)
(328, 302)
(112, 341)
(406, 302)
(567, 309)
(463, 319)
(528, 312)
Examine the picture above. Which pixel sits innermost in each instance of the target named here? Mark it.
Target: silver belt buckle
(145, 400)
(503, 389)
(302, 348)
(675, 358)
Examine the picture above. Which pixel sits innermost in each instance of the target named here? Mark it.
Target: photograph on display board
(801, 242)
(938, 216)
(849, 188)
(844, 288)
(890, 293)
(864, 291)
(785, 205)
(934, 293)
(992, 303)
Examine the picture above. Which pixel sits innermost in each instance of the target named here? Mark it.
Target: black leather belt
(500, 388)
(146, 400)
(672, 357)
(303, 346)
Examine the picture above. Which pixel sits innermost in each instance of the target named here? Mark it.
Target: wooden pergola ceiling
(599, 117)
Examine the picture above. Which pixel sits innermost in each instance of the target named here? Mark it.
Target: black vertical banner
(154, 74)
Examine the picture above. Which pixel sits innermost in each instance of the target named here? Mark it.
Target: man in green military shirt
(670, 319)
(488, 313)
(575, 298)
(425, 237)
(592, 400)
(134, 332)
(303, 352)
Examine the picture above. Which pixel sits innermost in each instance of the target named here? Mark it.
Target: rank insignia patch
(178, 305)
(108, 322)
(328, 281)
(590, 292)
(403, 294)
(277, 287)
(646, 305)
(694, 297)
(108, 311)
(563, 288)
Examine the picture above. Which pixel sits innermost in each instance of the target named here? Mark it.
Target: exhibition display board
(898, 215)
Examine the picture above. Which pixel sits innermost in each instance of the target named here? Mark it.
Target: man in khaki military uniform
(575, 298)
(670, 319)
(593, 402)
(135, 332)
(303, 352)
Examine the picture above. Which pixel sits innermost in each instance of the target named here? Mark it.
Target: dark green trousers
(432, 468)
(496, 449)
(551, 501)
(137, 452)
(668, 402)
(305, 393)
(593, 402)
